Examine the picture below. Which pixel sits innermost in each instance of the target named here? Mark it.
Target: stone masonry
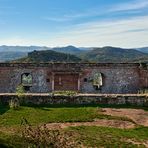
(116, 78)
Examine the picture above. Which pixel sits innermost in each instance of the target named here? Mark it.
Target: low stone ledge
(84, 95)
(109, 99)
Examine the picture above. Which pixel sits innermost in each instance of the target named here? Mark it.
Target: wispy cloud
(134, 5)
(57, 19)
(96, 30)
(138, 30)
(72, 16)
(124, 33)
(8, 10)
(127, 33)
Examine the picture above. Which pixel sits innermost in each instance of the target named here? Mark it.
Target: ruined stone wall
(117, 78)
(81, 99)
(144, 76)
(5, 79)
(10, 78)
(39, 79)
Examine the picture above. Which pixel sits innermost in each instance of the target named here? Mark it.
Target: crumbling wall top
(73, 65)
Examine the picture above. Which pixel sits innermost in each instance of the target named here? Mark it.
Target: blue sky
(86, 23)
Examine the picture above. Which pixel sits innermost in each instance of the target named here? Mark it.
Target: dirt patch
(145, 143)
(139, 116)
(98, 122)
(9, 130)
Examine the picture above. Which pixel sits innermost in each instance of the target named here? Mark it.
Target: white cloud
(135, 5)
(123, 33)
(57, 19)
(131, 32)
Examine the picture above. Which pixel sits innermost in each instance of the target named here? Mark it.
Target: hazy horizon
(73, 46)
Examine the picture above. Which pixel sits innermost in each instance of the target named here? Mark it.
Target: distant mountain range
(21, 48)
(11, 55)
(144, 49)
(72, 54)
(68, 50)
(48, 56)
(112, 54)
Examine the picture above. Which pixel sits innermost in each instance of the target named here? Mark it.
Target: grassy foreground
(10, 121)
(111, 137)
(92, 137)
(40, 115)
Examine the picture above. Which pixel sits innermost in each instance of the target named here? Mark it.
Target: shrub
(143, 91)
(15, 102)
(66, 93)
(42, 136)
(20, 91)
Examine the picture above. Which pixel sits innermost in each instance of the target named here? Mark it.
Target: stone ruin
(97, 78)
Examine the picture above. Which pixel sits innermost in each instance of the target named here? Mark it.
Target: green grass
(90, 136)
(3, 108)
(39, 115)
(110, 137)
(11, 141)
(45, 115)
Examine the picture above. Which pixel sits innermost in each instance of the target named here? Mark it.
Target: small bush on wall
(143, 91)
(66, 93)
(14, 103)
